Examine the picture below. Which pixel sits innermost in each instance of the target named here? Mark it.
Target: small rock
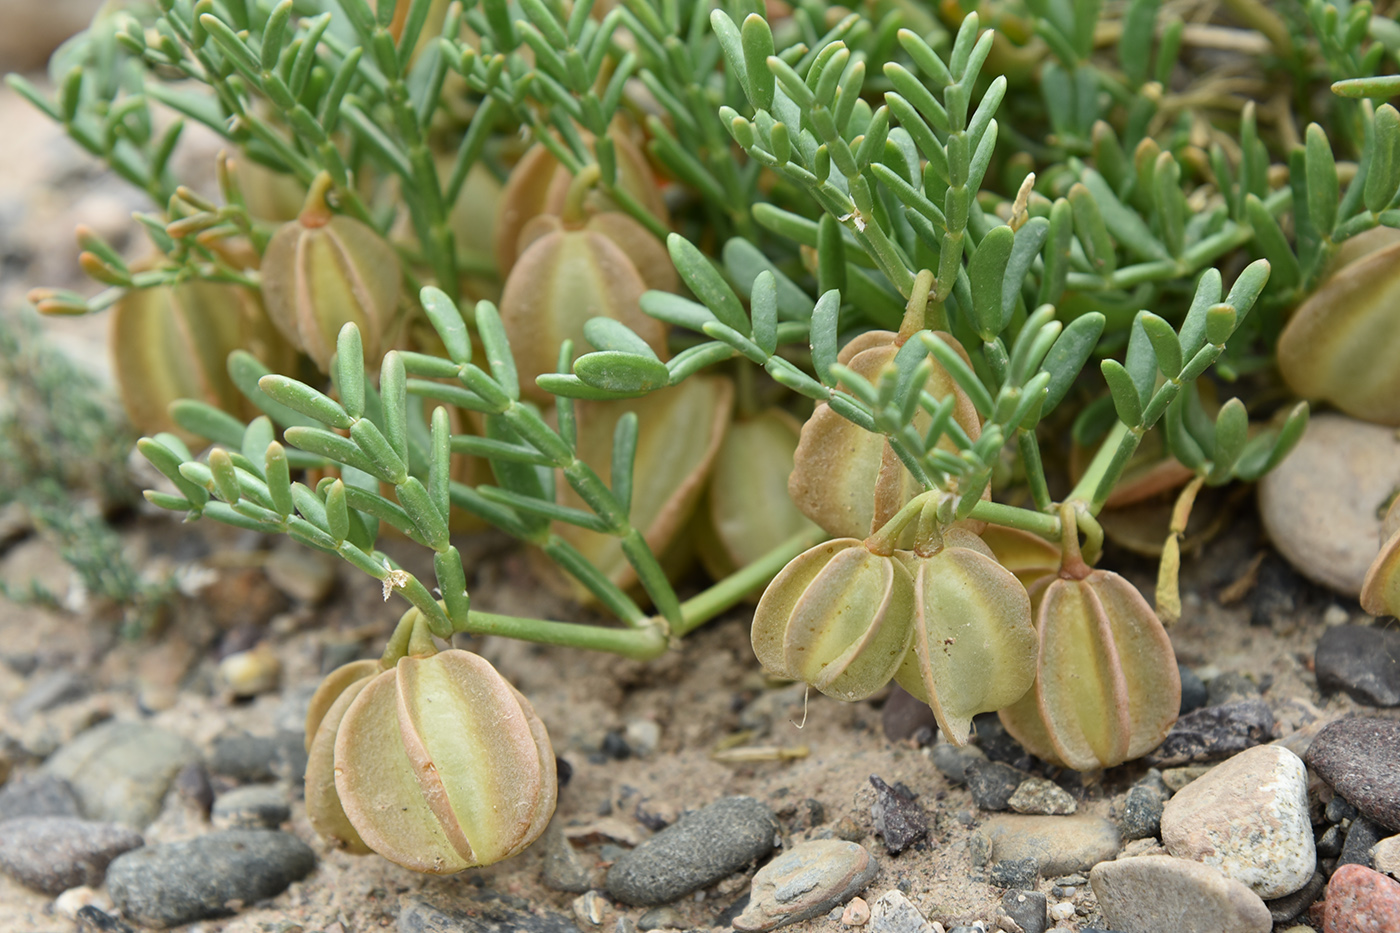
(193, 787)
(180, 882)
(1329, 844)
(249, 673)
(805, 882)
(75, 899)
(1162, 894)
(953, 760)
(905, 716)
(1064, 910)
(120, 771)
(1140, 847)
(1059, 844)
(93, 919)
(1362, 661)
(1215, 732)
(643, 736)
(1230, 687)
(857, 913)
(1177, 778)
(998, 743)
(700, 849)
(37, 795)
(590, 908)
(661, 918)
(1360, 900)
(301, 574)
(1362, 836)
(52, 689)
(563, 868)
(1338, 809)
(1022, 912)
(1037, 795)
(252, 759)
(898, 817)
(1020, 874)
(255, 806)
(1193, 690)
(1249, 818)
(1142, 813)
(55, 853)
(1290, 907)
(892, 912)
(1360, 759)
(418, 916)
(992, 783)
(1385, 856)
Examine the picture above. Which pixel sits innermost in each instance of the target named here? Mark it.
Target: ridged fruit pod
(1342, 343)
(323, 271)
(838, 617)
(441, 765)
(747, 512)
(1030, 557)
(173, 342)
(328, 705)
(974, 647)
(1380, 594)
(1107, 688)
(847, 479)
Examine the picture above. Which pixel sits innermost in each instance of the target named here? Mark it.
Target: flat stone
(892, 912)
(1021, 874)
(1361, 661)
(1322, 505)
(259, 758)
(563, 868)
(1249, 818)
(1162, 894)
(256, 806)
(1362, 836)
(1039, 796)
(952, 760)
(992, 783)
(1141, 817)
(1360, 900)
(37, 795)
(1385, 856)
(1059, 844)
(899, 819)
(1360, 759)
(1215, 732)
(418, 916)
(698, 850)
(54, 853)
(1022, 912)
(206, 877)
(806, 881)
(121, 770)
(1291, 906)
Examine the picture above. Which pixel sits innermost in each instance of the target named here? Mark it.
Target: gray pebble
(251, 759)
(1136, 893)
(1291, 906)
(805, 882)
(953, 760)
(1362, 661)
(1215, 732)
(419, 916)
(1329, 844)
(92, 919)
(121, 770)
(1018, 874)
(37, 795)
(1230, 687)
(661, 918)
(899, 819)
(1022, 912)
(892, 912)
(905, 716)
(992, 783)
(48, 691)
(192, 784)
(1142, 814)
(1362, 835)
(1193, 691)
(698, 850)
(180, 882)
(1338, 810)
(256, 806)
(55, 853)
(1037, 795)
(1360, 759)
(563, 868)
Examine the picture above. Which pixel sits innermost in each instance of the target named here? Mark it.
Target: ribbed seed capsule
(838, 617)
(323, 271)
(441, 765)
(974, 645)
(1380, 593)
(1107, 688)
(1030, 557)
(328, 705)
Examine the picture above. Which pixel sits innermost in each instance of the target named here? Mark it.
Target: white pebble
(1061, 911)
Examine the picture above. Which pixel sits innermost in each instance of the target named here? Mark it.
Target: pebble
(892, 912)
(120, 771)
(255, 806)
(1362, 836)
(1329, 844)
(857, 913)
(1321, 505)
(54, 853)
(590, 908)
(805, 882)
(907, 717)
(1249, 818)
(1361, 661)
(50, 690)
(1141, 817)
(1289, 907)
(1338, 809)
(37, 795)
(258, 758)
(1020, 874)
(1360, 900)
(180, 882)
(1193, 690)
(998, 743)
(193, 787)
(698, 850)
(1162, 894)
(1215, 732)
(899, 819)
(300, 573)
(1060, 844)
(1022, 912)
(1039, 796)
(1385, 856)
(1360, 759)
(643, 736)
(992, 783)
(91, 919)
(953, 760)
(1064, 910)
(661, 918)
(1177, 778)
(249, 673)
(73, 900)
(563, 868)
(418, 916)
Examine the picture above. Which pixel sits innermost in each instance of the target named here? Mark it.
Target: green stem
(638, 644)
(1047, 526)
(1098, 469)
(723, 595)
(1035, 470)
